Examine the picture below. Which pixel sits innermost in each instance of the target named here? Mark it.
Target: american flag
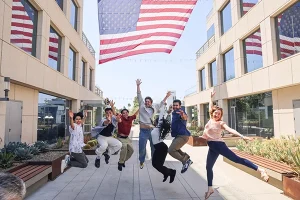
(289, 32)
(22, 26)
(131, 27)
(53, 45)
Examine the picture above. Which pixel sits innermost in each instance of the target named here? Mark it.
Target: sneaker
(186, 165)
(67, 159)
(141, 165)
(63, 166)
(97, 163)
(172, 175)
(120, 165)
(107, 157)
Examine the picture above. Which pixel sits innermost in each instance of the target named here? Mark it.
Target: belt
(124, 137)
(146, 126)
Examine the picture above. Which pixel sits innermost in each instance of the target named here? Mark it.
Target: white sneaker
(63, 166)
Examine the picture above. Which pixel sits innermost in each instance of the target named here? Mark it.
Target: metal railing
(208, 16)
(88, 44)
(98, 91)
(190, 91)
(206, 46)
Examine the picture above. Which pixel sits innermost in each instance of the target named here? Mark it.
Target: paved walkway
(107, 183)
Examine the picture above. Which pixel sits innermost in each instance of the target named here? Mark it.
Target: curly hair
(79, 114)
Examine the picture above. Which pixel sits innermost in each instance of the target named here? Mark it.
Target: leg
(79, 160)
(123, 152)
(142, 145)
(159, 157)
(114, 145)
(174, 148)
(151, 143)
(210, 161)
(129, 150)
(102, 146)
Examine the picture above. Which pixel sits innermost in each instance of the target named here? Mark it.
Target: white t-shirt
(155, 132)
(76, 139)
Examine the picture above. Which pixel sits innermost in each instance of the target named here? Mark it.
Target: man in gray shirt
(146, 114)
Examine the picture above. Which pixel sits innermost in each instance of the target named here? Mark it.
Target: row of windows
(288, 44)
(74, 11)
(23, 35)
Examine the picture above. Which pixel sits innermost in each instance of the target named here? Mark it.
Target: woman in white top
(158, 134)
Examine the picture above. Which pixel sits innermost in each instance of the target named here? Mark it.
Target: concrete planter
(197, 141)
(291, 187)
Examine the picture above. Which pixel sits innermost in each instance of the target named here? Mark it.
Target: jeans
(78, 160)
(126, 150)
(175, 151)
(159, 157)
(216, 148)
(145, 135)
(112, 144)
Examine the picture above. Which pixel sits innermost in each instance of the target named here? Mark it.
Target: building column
(42, 38)
(207, 76)
(199, 114)
(80, 18)
(220, 69)
(189, 113)
(238, 58)
(99, 114)
(76, 105)
(235, 11)
(223, 103)
(198, 81)
(67, 9)
(78, 67)
(65, 44)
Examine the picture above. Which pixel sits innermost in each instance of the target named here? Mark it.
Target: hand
(138, 82)
(71, 114)
(212, 94)
(118, 116)
(247, 138)
(181, 113)
(108, 117)
(169, 93)
(112, 103)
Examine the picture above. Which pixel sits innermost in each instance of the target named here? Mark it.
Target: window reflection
(54, 50)
(226, 18)
(229, 71)
(246, 5)
(203, 84)
(74, 11)
(213, 74)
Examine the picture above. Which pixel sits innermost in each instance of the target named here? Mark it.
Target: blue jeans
(216, 148)
(145, 135)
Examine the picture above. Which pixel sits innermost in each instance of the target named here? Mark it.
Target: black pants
(159, 157)
(78, 160)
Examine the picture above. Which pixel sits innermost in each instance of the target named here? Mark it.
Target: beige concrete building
(251, 59)
(51, 66)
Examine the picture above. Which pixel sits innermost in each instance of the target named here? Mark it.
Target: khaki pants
(175, 151)
(126, 150)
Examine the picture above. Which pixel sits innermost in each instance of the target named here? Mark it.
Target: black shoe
(97, 163)
(172, 175)
(107, 157)
(165, 178)
(186, 165)
(120, 165)
(123, 164)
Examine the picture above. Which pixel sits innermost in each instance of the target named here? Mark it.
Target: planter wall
(291, 187)
(197, 141)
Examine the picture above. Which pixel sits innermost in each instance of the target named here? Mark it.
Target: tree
(135, 105)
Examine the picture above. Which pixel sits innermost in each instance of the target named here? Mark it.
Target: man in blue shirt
(181, 134)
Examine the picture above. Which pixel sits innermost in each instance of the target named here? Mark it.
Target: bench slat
(36, 173)
(270, 164)
(32, 170)
(23, 170)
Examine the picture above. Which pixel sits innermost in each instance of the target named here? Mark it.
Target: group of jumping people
(170, 120)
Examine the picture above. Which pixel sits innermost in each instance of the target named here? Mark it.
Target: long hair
(164, 128)
(215, 108)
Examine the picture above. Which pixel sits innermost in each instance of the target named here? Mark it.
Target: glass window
(226, 18)
(74, 13)
(52, 112)
(206, 113)
(72, 64)
(202, 74)
(252, 115)
(54, 50)
(24, 26)
(288, 31)
(246, 5)
(60, 3)
(82, 74)
(211, 32)
(253, 52)
(91, 78)
(213, 74)
(229, 71)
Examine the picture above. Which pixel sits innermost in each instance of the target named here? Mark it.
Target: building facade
(51, 66)
(251, 59)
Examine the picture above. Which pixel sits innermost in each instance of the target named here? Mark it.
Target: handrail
(98, 91)
(206, 46)
(88, 44)
(190, 91)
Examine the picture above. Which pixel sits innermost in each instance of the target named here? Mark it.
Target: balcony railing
(190, 91)
(206, 46)
(98, 91)
(208, 16)
(88, 44)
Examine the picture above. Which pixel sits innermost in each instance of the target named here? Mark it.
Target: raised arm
(112, 105)
(136, 112)
(138, 90)
(158, 106)
(182, 115)
(71, 115)
(234, 132)
(84, 117)
(211, 103)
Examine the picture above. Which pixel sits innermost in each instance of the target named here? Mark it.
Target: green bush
(42, 146)
(91, 143)
(87, 146)
(59, 144)
(6, 159)
(23, 154)
(12, 146)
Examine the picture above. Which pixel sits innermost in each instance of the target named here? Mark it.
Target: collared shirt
(124, 127)
(145, 113)
(76, 139)
(98, 129)
(178, 125)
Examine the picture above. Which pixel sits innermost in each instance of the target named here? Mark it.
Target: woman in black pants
(158, 134)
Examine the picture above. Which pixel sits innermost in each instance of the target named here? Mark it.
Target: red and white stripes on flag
(53, 46)
(21, 27)
(159, 27)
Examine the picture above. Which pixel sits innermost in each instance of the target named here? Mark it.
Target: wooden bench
(34, 176)
(276, 170)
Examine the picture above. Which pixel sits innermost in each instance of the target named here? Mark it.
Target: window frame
(224, 64)
(76, 15)
(62, 5)
(242, 8)
(82, 73)
(91, 80)
(201, 75)
(211, 74)
(74, 64)
(59, 49)
(222, 24)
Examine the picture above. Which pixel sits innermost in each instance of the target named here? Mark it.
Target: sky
(159, 72)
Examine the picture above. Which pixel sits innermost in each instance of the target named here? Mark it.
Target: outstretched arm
(112, 105)
(71, 115)
(158, 106)
(211, 104)
(138, 90)
(136, 112)
(234, 132)
(84, 117)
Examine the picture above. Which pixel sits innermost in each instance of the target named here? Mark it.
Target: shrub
(59, 143)
(23, 154)
(34, 150)
(12, 146)
(87, 146)
(42, 146)
(91, 143)
(6, 159)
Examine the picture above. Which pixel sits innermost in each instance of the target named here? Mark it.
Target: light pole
(6, 89)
